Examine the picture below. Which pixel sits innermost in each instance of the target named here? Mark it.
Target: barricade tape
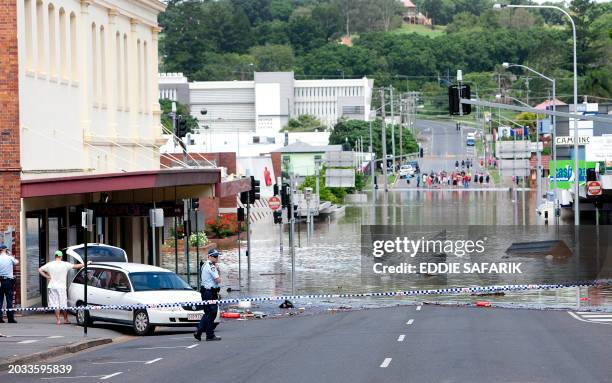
(453, 290)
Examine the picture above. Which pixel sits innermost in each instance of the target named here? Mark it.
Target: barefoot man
(56, 272)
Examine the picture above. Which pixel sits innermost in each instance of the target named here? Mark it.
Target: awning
(119, 181)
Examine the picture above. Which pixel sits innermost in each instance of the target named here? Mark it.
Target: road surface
(399, 344)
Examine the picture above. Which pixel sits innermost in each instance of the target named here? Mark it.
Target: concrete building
(264, 105)
(80, 128)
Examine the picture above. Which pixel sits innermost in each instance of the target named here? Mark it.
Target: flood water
(331, 262)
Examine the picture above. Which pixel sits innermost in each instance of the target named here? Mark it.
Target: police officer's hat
(3, 247)
(213, 253)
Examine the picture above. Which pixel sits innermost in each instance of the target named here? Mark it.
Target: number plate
(194, 316)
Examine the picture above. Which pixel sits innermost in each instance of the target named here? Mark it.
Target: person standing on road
(7, 283)
(210, 291)
(56, 272)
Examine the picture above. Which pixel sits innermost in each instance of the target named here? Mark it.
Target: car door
(118, 289)
(106, 296)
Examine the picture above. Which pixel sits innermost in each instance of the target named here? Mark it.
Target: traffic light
(275, 189)
(285, 195)
(454, 100)
(244, 197)
(181, 127)
(278, 216)
(195, 203)
(240, 214)
(254, 192)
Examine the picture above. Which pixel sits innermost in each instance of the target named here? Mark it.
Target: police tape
(194, 305)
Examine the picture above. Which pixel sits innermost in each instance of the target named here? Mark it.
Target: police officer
(7, 283)
(210, 291)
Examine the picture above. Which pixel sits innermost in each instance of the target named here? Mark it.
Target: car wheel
(141, 324)
(83, 317)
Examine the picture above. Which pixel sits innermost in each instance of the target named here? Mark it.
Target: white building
(264, 105)
(88, 86)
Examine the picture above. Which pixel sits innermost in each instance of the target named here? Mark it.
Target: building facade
(80, 130)
(266, 104)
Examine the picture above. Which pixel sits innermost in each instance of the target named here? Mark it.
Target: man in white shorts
(56, 272)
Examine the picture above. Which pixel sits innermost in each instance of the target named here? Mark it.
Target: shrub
(198, 239)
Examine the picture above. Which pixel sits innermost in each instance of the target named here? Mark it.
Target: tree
(329, 18)
(332, 58)
(224, 67)
(304, 123)
(463, 21)
(305, 34)
(228, 26)
(273, 58)
(271, 32)
(355, 129)
(584, 12)
(281, 9)
(181, 110)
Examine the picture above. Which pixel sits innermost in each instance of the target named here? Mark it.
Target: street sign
(569, 140)
(336, 178)
(274, 203)
(87, 219)
(519, 167)
(156, 217)
(594, 188)
(513, 149)
(339, 159)
(599, 149)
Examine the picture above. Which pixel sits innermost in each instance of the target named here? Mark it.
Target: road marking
(591, 320)
(385, 363)
(28, 341)
(410, 322)
(111, 375)
(419, 308)
(596, 316)
(55, 336)
(401, 338)
(154, 360)
(166, 347)
(73, 377)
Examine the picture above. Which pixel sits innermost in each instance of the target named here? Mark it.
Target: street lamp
(554, 122)
(576, 170)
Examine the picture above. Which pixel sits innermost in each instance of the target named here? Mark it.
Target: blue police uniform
(7, 283)
(209, 290)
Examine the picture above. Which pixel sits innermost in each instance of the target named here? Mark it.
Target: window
(52, 40)
(94, 63)
(145, 72)
(139, 73)
(62, 43)
(126, 98)
(157, 280)
(119, 281)
(102, 65)
(40, 36)
(73, 48)
(118, 70)
(28, 32)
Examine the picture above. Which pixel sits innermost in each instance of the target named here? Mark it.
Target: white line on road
(165, 347)
(154, 360)
(584, 320)
(28, 341)
(410, 322)
(73, 377)
(600, 320)
(55, 336)
(597, 316)
(111, 375)
(419, 308)
(385, 363)
(401, 338)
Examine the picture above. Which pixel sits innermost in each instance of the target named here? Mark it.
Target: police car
(122, 283)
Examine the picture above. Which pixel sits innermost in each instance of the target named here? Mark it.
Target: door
(112, 285)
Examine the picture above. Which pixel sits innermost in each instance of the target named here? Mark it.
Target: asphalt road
(444, 145)
(400, 344)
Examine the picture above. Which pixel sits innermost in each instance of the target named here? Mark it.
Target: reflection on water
(330, 261)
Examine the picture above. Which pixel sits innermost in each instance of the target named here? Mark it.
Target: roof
(302, 147)
(131, 267)
(147, 179)
(408, 4)
(545, 104)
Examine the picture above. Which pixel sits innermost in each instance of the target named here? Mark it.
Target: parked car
(406, 171)
(121, 283)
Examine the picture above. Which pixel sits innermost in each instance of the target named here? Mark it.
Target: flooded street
(331, 261)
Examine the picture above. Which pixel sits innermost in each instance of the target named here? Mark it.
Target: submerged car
(129, 284)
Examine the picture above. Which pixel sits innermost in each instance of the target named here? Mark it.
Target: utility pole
(401, 127)
(392, 128)
(372, 159)
(384, 139)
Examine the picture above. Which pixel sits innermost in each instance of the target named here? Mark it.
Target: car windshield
(157, 280)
